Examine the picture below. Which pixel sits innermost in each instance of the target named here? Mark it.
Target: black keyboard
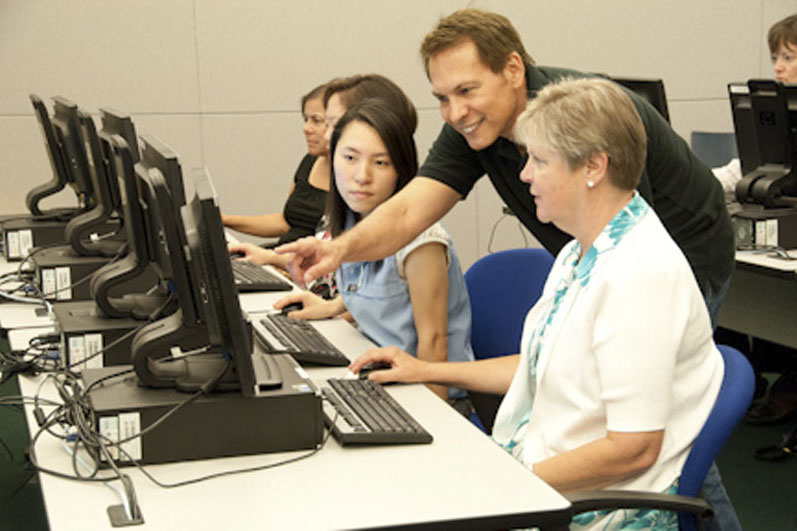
(279, 334)
(362, 412)
(252, 277)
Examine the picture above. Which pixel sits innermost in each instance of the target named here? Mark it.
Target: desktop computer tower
(220, 424)
(22, 233)
(759, 227)
(85, 331)
(65, 276)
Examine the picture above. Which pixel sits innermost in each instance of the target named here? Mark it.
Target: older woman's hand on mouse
(404, 368)
(313, 306)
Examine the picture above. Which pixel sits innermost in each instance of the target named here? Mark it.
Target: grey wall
(220, 81)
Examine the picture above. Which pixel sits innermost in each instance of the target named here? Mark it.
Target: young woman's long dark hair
(395, 134)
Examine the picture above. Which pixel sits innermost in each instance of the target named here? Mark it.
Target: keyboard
(362, 412)
(252, 277)
(279, 334)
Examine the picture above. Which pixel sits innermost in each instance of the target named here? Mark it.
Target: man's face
(479, 103)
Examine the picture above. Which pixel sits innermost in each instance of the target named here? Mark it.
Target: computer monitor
(54, 155)
(116, 123)
(228, 359)
(744, 126)
(770, 125)
(151, 193)
(66, 126)
(159, 180)
(651, 90)
(136, 262)
(82, 231)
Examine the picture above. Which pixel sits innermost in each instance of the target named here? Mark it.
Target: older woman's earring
(590, 184)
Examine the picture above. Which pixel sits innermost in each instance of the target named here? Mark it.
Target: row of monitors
(183, 242)
(765, 123)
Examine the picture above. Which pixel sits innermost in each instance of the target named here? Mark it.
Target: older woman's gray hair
(578, 118)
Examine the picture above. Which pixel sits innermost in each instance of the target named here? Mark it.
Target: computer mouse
(371, 367)
(294, 306)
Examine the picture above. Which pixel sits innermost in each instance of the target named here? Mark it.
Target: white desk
(461, 480)
(762, 298)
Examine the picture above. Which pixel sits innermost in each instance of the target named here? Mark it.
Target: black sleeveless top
(305, 206)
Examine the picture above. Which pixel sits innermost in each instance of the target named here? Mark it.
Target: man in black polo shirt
(482, 77)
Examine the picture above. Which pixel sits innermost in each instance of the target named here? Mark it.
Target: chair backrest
(735, 396)
(714, 149)
(502, 287)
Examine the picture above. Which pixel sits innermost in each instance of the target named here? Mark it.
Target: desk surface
(461, 476)
(768, 260)
(762, 298)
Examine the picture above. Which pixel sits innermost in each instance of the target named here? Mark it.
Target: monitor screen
(67, 133)
(54, 155)
(213, 283)
(651, 90)
(151, 209)
(227, 361)
(79, 231)
(136, 262)
(161, 196)
(116, 123)
(744, 127)
(765, 122)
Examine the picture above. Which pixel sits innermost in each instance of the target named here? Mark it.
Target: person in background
(617, 371)
(782, 41)
(415, 299)
(308, 193)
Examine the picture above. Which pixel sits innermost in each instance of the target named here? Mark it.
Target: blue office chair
(734, 398)
(502, 286)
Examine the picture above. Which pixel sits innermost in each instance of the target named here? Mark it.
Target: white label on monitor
(48, 282)
(12, 244)
(772, 232)
(25, 242)
(109, 428)
(77, 351)
(130, 426)
(739, 89)
(93, 343)
(760, 232)
(63, 280)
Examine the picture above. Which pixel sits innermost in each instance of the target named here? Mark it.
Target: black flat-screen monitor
(160, 186)
(82, 231)
(54, 155)
(151, 193)
(651, 90)
(227, 360)
(744, 126)
(137, 260)
(116, 123)
(66, 126)
(765, 122)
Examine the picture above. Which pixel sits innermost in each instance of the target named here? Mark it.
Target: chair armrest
(627, 499)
